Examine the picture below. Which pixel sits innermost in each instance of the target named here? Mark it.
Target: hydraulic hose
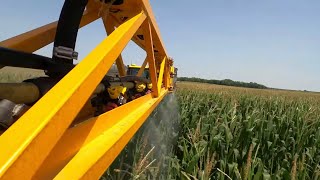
(67, 30)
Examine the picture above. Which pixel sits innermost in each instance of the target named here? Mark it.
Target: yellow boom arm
(42, 144)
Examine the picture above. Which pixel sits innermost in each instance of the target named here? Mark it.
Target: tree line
(226, 82)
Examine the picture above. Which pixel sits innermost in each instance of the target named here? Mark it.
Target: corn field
(221, 132)
(236, 133)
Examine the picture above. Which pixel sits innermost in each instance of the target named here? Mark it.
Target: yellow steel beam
(140, 72)
(161, 72)
(156, 35)
(120, 66)
(166, 75)
(26, 144)
(82, 134)
(134, 39)
(42, 36)
(110, 27)
(150, 57)
(107, 137)
(101, 151)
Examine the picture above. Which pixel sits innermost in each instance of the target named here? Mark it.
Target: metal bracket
(65, 53)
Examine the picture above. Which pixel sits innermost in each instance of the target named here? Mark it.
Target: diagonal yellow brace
(109, 26)
(160, 78)
(121, 66)
(134, 38)
(157, 40)
(96, 156)
(150, 56)
(82, 134)
(43, 125)
(42, 36)
(140, 72)
(166, 75)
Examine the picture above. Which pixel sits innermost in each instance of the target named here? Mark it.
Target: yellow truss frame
(42, 144)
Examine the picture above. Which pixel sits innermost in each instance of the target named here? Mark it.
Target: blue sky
(273, 42)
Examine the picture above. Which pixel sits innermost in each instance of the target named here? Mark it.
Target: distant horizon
(306, 90)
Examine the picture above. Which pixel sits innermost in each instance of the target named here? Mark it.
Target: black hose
(10, 57)
(14, 58)
(68, 26)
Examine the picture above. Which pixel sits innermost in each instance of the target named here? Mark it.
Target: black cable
(14, 58)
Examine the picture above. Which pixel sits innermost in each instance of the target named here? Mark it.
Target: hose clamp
(65, 53)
